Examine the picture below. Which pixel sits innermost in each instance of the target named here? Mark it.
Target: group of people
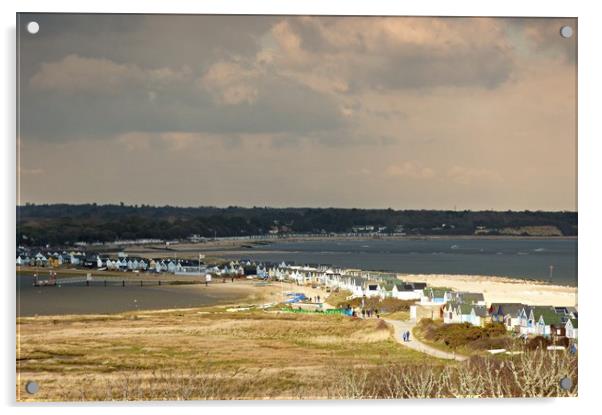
(366, 313)
(369, 313)
(406, 336)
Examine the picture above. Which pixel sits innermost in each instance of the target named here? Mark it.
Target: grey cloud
(542, 36)
(144, 40)
(74, 112)
(91, 75)
(456, 52)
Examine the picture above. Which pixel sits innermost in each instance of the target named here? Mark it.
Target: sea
(550, 260)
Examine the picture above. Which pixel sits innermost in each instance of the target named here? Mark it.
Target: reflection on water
(96, 298)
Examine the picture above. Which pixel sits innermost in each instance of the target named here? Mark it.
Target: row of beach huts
(436, 302)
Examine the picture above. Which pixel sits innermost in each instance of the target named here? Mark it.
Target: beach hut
(464, 297)
(373, 289)
(434, 296)
(546, 317)
(570, 328)
(405, 291)
(507, 313)
(473, 314)
(40, 260)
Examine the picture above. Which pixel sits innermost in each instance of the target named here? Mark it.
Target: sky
(320, 111)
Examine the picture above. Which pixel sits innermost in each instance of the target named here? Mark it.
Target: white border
(590, 208)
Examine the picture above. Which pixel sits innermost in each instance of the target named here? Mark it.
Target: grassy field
(199, 353)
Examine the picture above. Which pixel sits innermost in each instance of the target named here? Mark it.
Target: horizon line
(148, 205)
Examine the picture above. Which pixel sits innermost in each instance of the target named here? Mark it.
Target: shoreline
(495, 289)
(242, 293)
(238, 243)
(192, 280)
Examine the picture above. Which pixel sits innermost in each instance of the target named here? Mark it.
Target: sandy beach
(494, 289)
(501, 289)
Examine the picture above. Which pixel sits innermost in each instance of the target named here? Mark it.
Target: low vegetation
(212, 354)
(541, 342)
(529, 374)
(198, 354)
(463, 337)
(338, 297)
(386, 305)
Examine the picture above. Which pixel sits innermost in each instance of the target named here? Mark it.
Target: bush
(538, 342)
(464, 334)
(386, 305)
(530, 374)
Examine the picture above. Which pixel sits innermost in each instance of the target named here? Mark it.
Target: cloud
(230, 83)
(73, 97)
(310, 103)
(410, 169)
(471, 176)
(542, 38)
(74, 73)
(399, 53)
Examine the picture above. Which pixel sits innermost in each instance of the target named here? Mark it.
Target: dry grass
(398, 315)
(201, 354)
(531, 374)
(194, 354)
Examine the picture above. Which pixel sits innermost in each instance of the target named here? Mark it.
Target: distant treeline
(59, 224)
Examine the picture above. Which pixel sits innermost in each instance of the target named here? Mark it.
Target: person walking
(408, 336)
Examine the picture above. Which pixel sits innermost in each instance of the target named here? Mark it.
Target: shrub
(530, 374)
(538, 342)
(386, 305)
(463, 334)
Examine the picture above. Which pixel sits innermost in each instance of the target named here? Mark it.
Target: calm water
(520, 258)
(79, 299)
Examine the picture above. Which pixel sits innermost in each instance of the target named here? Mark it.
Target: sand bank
(501, 289)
